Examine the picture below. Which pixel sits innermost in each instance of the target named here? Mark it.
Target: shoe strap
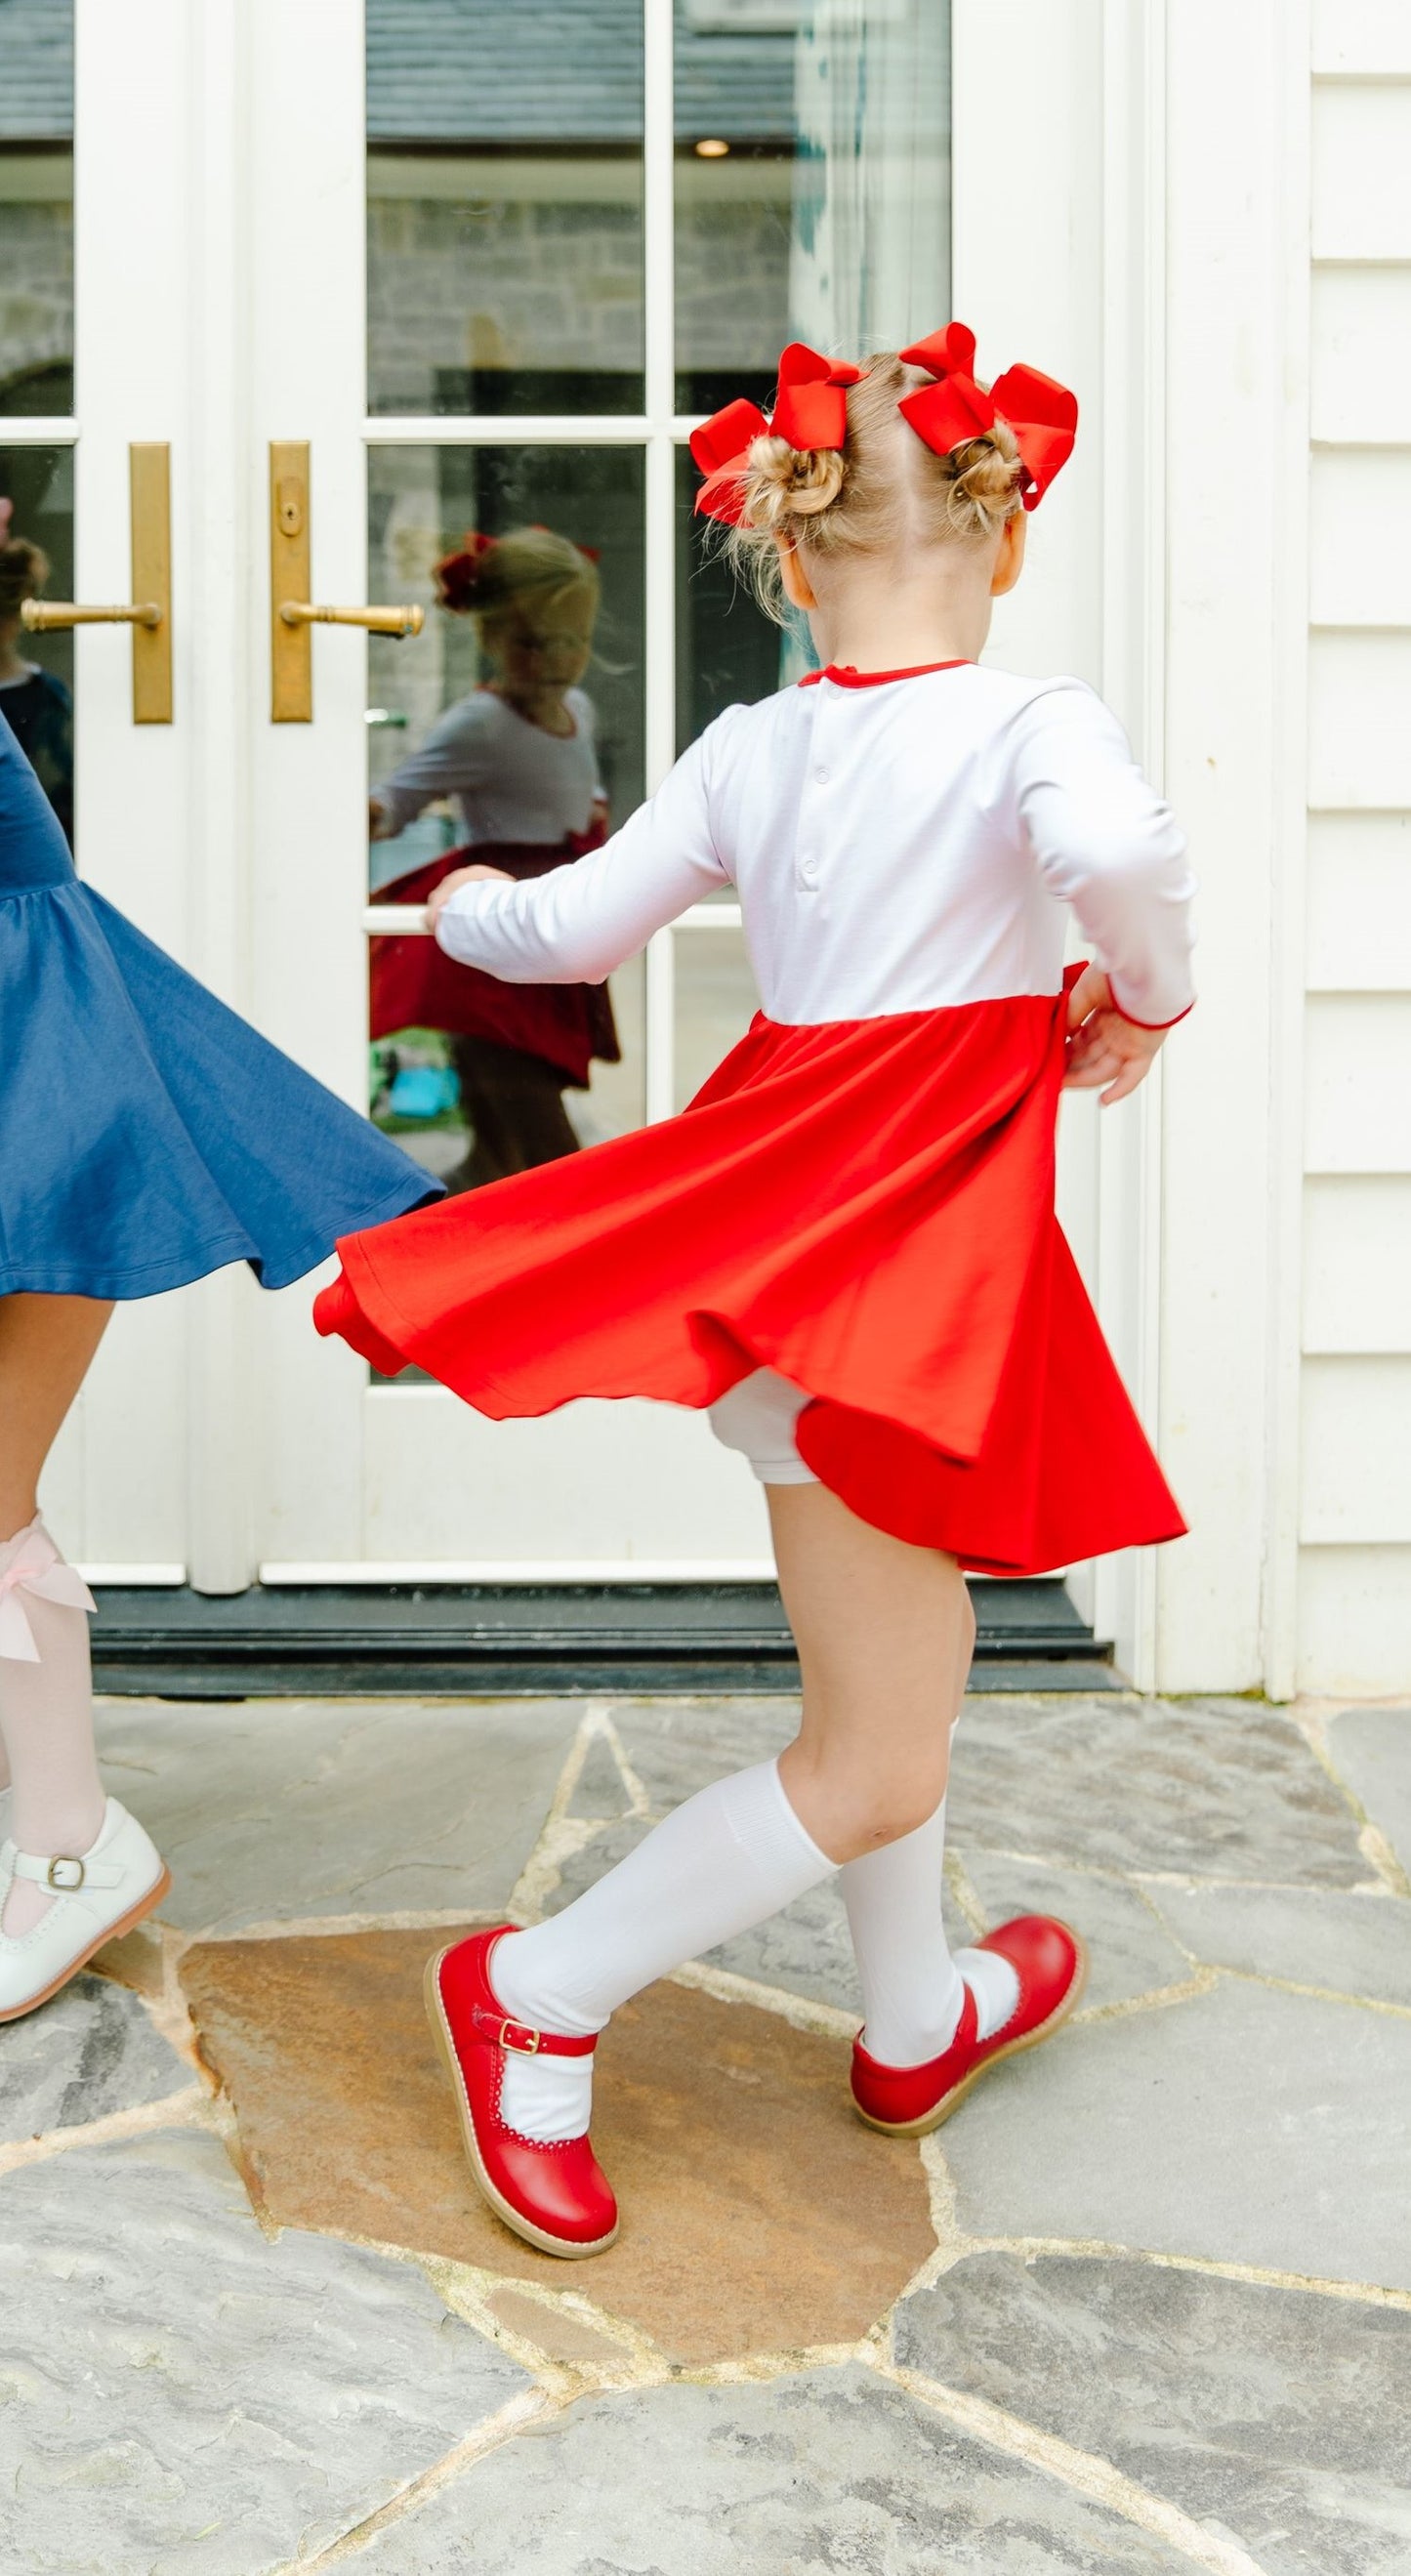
(517, 2035)
(64, 1873)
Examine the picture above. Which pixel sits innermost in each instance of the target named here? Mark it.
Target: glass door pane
(37, 555)
(812, 183)
(510, 729)
(505, 207)
(36, 209)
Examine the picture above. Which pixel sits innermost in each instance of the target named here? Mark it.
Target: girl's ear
(798, 589)
(1009, 562)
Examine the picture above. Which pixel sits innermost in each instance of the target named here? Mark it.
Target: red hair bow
(459, 574)
(810, 410)
(1042, 415)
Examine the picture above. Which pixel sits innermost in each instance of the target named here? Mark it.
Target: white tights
(728, 1858)
(46, 1713)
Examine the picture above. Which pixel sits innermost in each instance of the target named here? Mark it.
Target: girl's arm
(1109, 845)
(576, 924)
(450, 761)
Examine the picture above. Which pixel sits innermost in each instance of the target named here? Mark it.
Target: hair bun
(783, 482)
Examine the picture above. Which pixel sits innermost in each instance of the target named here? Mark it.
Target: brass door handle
(148, 613)
(292, 612)
(40, 616)
(378, 621)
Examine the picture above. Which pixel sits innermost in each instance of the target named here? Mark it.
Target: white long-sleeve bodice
(898, 844)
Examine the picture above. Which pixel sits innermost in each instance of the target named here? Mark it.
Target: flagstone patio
(1144, 2305)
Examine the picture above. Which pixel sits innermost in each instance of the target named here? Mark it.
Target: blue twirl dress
(148, 1135)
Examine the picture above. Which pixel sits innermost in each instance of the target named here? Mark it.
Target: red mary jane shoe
(1051, 1965)
(554, 2196)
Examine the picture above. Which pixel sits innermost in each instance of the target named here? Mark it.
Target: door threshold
(481, 1641)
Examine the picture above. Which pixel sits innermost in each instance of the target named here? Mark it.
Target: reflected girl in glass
(34, 702)
(518, 758)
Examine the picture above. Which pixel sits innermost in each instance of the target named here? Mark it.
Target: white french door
(490, 289)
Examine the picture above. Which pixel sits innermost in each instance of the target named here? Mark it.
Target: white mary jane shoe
(98, 1895)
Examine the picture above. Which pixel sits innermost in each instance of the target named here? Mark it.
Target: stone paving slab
(1276, 2414)
(1349, 1945)
(1371, 1748)
(183, 2398)
(1200, 1790)
(1246, 2125)
(269, 1810)
(1128, 1951)
(90, 2052)
(833, 2470)
(759, 2215)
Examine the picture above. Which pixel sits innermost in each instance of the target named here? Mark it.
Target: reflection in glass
(36, 671)
(36, 208)
(508, 734)
(728, 653)
(812, 183)
(716, 1000)
(505, 207)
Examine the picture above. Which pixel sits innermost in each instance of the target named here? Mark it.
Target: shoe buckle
(65, 1886)
(524, 2039)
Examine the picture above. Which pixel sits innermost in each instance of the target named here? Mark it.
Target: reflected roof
(478, 71)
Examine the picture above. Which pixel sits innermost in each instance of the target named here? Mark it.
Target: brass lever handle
(379, 621)
(40, 616)
(149, 476)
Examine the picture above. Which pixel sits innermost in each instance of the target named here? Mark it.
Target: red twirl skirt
(866, 1206)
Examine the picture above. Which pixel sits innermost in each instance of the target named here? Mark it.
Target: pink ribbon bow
(37, 1567)
(1042, 414)
(810, 411)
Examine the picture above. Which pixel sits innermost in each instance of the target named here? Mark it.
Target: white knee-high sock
(732, 1855)
(912, 1989)
(46, 1712)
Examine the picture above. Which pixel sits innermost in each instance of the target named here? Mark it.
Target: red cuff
(1153, 1025)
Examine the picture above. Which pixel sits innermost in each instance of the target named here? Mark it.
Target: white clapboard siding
(1357, 1263)
(1355, 1620)
(1356, 1455)
(1359, 536)
(1361, 356)
(1361, 36)
(1359, 718)
(1361, 170)
(1358, 896)
(1358, 1083)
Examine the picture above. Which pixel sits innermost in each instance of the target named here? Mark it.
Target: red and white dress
(861, 1197)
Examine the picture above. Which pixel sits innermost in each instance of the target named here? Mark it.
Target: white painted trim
(521, 1570)
(132, 1577)
(1290, 109)
(37, 432)
(661, 1027)
(509, 429)
(1133, 678)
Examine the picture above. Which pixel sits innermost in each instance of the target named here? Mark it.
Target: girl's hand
(1102, 1046)
(442, 893)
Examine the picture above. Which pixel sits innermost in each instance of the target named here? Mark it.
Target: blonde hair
(492, 576)
(886, 488)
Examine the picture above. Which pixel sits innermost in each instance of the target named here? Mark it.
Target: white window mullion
(659, 211)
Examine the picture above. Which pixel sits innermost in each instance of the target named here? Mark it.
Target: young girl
(846, 1247)
(520, 759)
(147, 1136)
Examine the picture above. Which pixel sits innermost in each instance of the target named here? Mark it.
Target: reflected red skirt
(414, 984)
(866, 1206)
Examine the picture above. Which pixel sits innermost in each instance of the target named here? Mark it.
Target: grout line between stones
(187, 2108)
(1312, 1725)
(1083, 2472)
(529, 2407)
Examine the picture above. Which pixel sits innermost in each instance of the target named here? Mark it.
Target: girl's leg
(46, 1715)
(880, 1628)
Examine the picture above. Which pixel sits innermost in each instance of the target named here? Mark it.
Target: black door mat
(542, 1640)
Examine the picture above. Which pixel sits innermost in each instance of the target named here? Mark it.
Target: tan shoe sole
(1013, 2048)
(525, 2227)
(126, 1923)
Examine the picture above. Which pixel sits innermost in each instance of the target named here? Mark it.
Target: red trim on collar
(845, 676)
